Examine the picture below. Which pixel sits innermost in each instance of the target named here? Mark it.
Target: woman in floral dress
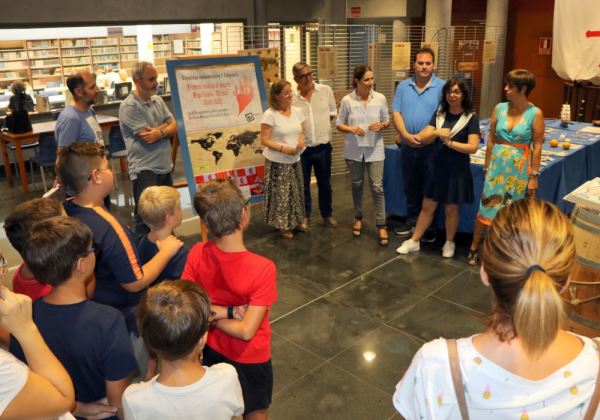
(513, 154)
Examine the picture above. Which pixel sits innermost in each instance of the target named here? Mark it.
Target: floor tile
(332, 394)
(290, 362)
(468, 290)
(380, 358)
(434, 318)
(324, 327)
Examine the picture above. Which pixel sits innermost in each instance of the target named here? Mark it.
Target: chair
(27, 149)
(117, 150)
(45, 155)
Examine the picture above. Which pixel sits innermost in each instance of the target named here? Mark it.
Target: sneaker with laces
(408, 246)
(404, 229)
(448, 249)
(430, 236)
(330, 221)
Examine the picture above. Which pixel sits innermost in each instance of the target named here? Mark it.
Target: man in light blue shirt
(415, 101)
(77, 122)
(146, 124)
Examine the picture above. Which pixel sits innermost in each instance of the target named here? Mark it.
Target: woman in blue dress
(513, 154)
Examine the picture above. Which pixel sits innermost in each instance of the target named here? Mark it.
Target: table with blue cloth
(559, 175)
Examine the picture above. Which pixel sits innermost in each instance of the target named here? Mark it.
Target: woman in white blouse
(524, 366)
(363, 116)
(282, 138)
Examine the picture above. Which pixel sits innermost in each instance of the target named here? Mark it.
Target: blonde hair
(156, 203)
(528, 256)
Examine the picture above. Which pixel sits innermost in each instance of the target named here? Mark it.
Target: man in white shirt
(318, 106)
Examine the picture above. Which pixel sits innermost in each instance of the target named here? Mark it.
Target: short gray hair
(298, 67)
(138, 69)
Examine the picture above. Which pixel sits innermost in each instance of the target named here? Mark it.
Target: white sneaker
(408, 246)
(448, 249)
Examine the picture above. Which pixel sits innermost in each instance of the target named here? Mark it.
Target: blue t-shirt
(117, 261)
(174, 269)
(416, 107)
(74, 125)
(89, 339)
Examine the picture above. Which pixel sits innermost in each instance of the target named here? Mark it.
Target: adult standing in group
(146, 124)
(77, 122)
(513, 153)
(318, 107)
(282, 139)
(525, 365)
(416, 99)
(454, 133)
(363, 117)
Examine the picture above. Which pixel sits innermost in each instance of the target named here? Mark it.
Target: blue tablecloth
(558, 177)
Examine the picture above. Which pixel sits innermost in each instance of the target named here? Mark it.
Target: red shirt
(29, 285)
(235, 278)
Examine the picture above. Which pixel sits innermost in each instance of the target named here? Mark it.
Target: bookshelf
(76, 55)
(14, 63)
(163, 51)
(128, 51)
(105, 52)
(45, 62)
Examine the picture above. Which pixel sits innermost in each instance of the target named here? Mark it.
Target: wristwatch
(230, 312)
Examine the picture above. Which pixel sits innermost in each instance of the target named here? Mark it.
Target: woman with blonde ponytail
(524, 365)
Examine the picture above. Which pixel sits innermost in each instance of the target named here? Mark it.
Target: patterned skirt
(283, 195)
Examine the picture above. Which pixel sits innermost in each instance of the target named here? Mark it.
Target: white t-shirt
(426, 390)
(13, 376)
(217, 395)
(286, 131)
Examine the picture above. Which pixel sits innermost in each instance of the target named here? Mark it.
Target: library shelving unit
(128, 52)
(45, 62)
(14, 63)
(105, 52)
(192, 47)
(76, 55)
(163, 51)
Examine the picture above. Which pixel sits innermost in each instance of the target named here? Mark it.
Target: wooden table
(105, 121)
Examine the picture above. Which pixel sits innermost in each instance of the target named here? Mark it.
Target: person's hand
(412, 140)
(95, 410)
(532, 186)
(170, 245)
(150, 135)
(15, 313)
(239, 312)
(376, 126)
(446, 140)
(443, 132)
(357, 131)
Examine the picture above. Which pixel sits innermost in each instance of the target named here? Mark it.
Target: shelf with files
(44, 61)
(14, 63)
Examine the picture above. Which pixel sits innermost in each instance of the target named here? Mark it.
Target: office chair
(45, 155)
(117, 150)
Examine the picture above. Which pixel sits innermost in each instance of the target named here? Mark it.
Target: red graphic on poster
(590, 34)
(243, 94)
(253, 177)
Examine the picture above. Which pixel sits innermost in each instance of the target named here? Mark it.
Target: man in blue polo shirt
(147, 124)
(415, 101)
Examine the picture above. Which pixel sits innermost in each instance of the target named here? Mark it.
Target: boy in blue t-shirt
(85, 174)
(160, 209)
(89, 339)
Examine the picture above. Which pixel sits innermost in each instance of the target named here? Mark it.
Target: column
(438, 18)
(492, 77)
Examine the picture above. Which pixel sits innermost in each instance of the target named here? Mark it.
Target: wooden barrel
(582, 297)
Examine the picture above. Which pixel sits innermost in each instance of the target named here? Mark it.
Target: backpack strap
(459, 388)
(593, 407)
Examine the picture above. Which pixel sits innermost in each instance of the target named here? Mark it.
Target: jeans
(144, 180)
(318, 157)
(415, 169)
(357, 175)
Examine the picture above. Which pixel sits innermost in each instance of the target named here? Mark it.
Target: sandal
(302, 226)
(286, 234)
(473, 257)
(357, 228)
(383, 240)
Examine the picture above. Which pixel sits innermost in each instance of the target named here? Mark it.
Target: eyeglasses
(305, 75)
(98, 170)
(89, 251)
(454, 92)
(3, 265)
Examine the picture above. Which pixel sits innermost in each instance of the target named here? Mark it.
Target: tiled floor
(350, 314)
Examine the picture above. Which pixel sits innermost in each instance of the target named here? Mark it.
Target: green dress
(508, 172)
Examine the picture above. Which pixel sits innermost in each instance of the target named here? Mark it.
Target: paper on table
(587, 195)
(593, 130)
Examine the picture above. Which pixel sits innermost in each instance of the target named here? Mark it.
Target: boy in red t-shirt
(18, 229)
(233, 277)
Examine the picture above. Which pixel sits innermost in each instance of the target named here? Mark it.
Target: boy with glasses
(89, 339)
(85, 174)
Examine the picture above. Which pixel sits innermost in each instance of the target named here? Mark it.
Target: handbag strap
(593, 407)
(459, 388)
